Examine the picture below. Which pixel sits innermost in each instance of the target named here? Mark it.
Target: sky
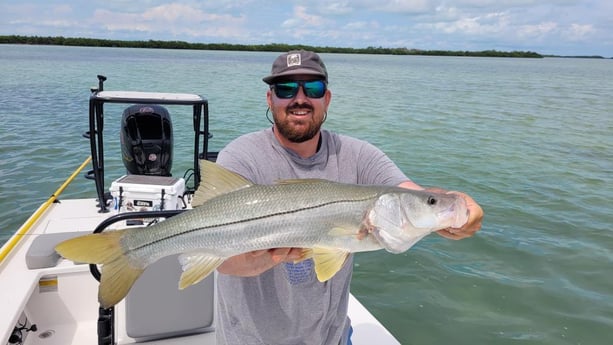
(558, 27)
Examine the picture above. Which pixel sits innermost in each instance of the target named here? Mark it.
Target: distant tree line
(272, 47)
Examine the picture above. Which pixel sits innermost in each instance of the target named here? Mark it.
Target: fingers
(258, 261)
(279, 255)
(454, 234)
(256, 253)
(473, 224)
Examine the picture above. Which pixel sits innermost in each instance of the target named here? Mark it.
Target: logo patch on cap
(293, 60)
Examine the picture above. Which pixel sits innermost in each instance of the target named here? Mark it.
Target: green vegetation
(274, 47)
(579, 56)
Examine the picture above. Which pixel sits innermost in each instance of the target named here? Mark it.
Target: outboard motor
(146, 140)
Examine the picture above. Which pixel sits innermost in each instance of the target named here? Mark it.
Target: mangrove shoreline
(271, 47)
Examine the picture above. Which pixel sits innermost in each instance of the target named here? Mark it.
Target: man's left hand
(475, 217)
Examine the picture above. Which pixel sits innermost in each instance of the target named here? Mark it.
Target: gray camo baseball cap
(297, 62)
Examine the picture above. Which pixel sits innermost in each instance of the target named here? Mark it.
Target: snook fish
(233, 216)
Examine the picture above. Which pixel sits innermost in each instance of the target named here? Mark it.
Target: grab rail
(8, 246)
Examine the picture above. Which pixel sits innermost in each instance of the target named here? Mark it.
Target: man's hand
(259, 261)
(473, 224)
(475, 213)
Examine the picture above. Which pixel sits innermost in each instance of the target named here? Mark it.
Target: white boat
(47, 300)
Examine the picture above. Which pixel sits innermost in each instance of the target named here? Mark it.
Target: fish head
(401, 218)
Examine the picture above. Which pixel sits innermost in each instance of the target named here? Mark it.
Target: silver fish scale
(259, 217)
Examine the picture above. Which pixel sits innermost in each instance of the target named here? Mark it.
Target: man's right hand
(254, 263)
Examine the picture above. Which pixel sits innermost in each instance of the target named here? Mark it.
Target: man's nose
(300, 94)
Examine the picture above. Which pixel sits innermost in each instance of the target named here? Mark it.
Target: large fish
(233, 216)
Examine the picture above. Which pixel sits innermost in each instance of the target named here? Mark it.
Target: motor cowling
(146, 140)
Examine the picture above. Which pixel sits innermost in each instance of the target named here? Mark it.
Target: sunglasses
(289, 89)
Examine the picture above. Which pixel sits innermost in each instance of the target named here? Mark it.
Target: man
(264, 298)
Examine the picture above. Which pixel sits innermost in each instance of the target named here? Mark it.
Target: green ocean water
(529, 139)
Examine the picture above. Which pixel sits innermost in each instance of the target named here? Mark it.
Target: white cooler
(147, 193)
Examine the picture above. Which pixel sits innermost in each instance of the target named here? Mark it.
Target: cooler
(147, 193)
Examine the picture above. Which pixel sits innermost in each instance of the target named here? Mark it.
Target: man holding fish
(274, 296)
(279, 216)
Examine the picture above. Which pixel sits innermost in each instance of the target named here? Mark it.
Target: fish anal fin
(197, 266)
(216, 180)
(328, 261)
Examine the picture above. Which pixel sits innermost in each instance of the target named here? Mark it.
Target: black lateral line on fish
(254, 219)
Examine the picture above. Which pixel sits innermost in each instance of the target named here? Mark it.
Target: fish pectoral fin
(197, 266)
(342, 232)
(328, 261)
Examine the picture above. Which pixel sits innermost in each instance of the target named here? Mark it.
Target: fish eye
(431, 200)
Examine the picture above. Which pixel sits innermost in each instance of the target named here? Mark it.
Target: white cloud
(301, 18)
(62, 10)
(537, 31)
(172, 18)
(579, 32)
(488, 23)
(362, 25)
(173, 13)
(337, 8)
(403, 6)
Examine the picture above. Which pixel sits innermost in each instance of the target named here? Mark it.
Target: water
(529, 139)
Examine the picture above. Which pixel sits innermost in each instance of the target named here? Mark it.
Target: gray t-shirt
(287, 305)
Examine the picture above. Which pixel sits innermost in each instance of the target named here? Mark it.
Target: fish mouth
(456, 215)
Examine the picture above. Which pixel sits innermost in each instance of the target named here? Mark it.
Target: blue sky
(561, 27)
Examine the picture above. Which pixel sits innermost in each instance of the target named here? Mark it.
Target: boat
(48, 300)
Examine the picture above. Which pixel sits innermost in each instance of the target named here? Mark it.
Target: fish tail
(117, 279)
(92, 248)
(118, 275)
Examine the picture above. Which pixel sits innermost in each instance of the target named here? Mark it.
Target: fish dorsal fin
(328, 261)
(302, 180)
(197, 266)
(216, 180)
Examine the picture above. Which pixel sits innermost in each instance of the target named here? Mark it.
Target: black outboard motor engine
(146, 140)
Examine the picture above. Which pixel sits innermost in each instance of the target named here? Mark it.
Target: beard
(297, 131)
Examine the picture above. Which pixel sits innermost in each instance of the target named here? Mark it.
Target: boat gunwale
(25, 228)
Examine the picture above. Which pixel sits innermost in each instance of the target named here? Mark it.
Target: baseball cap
(297, 62)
